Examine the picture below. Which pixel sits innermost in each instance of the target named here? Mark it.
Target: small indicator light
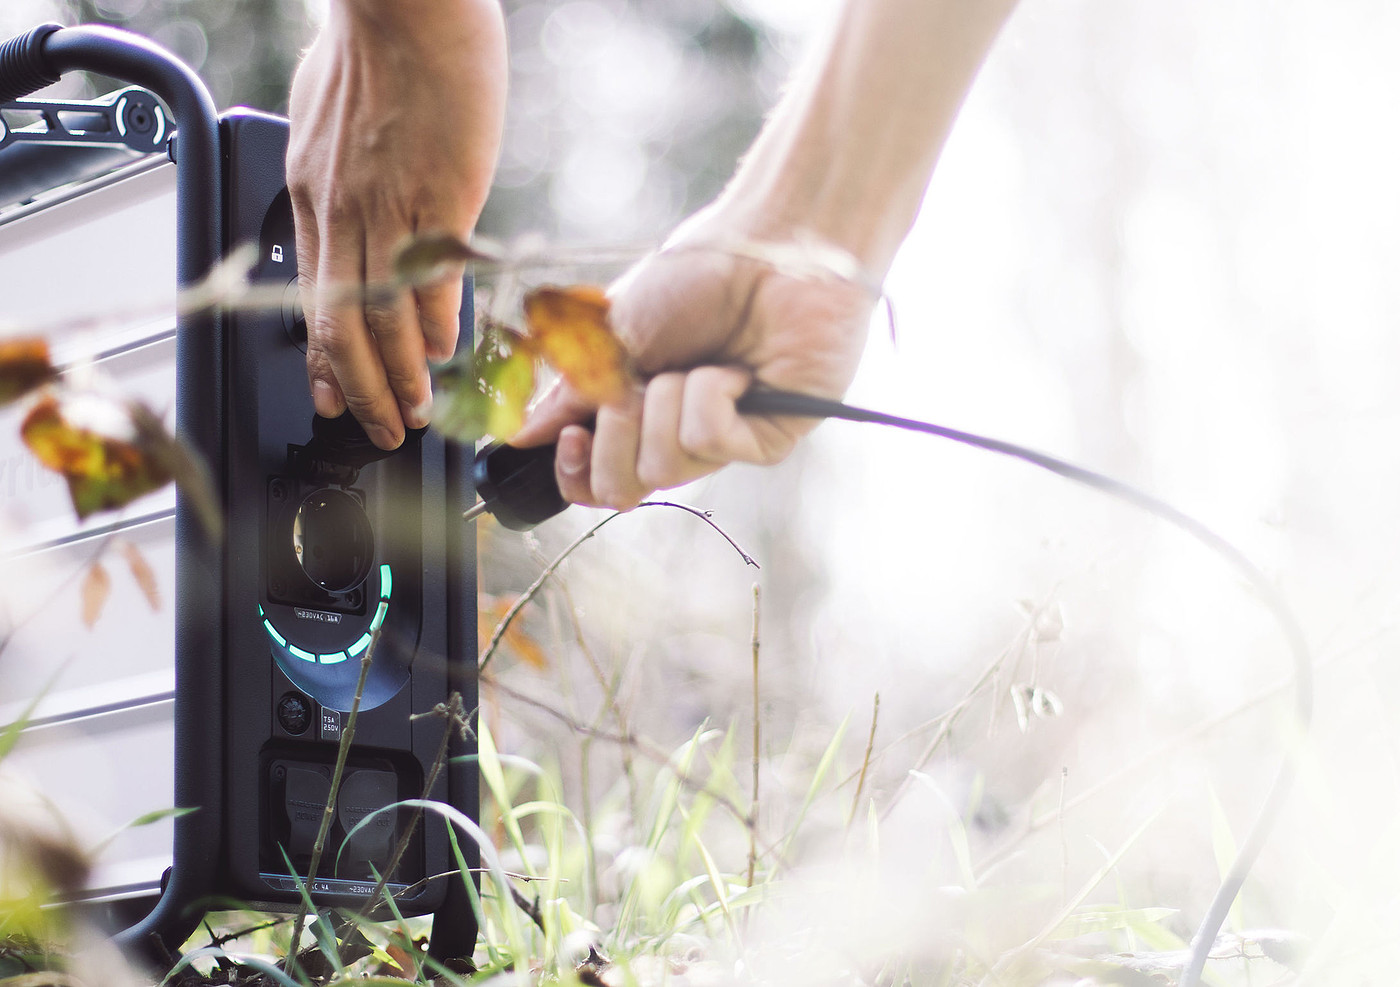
(360, 645)
(386, 581)
(378, 621)
(303, 655)
(272, 633)
(334, 659)
(260, 611)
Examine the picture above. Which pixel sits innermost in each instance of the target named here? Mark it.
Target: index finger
(560, 407)
(338, 339)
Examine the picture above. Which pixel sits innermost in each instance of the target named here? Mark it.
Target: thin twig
(1132, 769)
(219, 941)
(347, 737)
(1064, 839)
(753, 806)
(549, 570)
(865, 763)
(628, 740)
(949, 719)
(532, 909)
(455, 718)
(585, 747)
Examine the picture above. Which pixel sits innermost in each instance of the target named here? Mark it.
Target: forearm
(848, 152)
(440, 23)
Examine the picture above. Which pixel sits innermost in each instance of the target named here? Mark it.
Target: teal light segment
(260, 611)
(378, 621)
(303, 655)
(386, 581)
(359, 646)
(334, 659)
(272, 631)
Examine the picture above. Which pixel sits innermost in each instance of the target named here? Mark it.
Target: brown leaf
(569, 327)
(434, 256)
(183, 464)
(142, 572)
(403, 967)
(97, 586)
(24, 365)
(94, 443)
(491, 610)
(31, 833)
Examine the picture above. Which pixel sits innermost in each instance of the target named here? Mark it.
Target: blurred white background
(1162, 243)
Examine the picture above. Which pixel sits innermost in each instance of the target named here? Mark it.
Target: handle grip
(24, 68)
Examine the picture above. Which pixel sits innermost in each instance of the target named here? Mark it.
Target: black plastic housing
(257, 722)
(419, 595)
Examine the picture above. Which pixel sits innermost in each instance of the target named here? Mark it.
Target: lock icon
(277, 253)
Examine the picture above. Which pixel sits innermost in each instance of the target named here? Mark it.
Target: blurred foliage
(624, 116)
(245, 51)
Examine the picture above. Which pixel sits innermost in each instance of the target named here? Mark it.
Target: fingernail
(383, 437)
(326, 400)
(573, 458)
(418, 415)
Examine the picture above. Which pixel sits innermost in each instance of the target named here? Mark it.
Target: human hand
(396, 124)
(702, 326)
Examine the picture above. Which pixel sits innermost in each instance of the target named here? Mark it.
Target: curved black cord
(762, 401)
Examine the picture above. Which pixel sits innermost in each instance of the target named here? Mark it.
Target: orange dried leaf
(569, 327)
(491, 610)
(94, 443)
(97, 586)
(404, 964)
(24, 365)
(142, 573)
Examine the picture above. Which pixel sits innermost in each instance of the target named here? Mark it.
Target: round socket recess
(333, 540)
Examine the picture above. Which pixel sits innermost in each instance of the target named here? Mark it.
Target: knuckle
(336, 203)
(618, 493)
(657, 473)
(703, 439)
(367, 405)
(328, 335)
(576, 491)
(411, 388)
(383, 317)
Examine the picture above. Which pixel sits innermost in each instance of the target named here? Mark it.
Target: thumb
(560, 406)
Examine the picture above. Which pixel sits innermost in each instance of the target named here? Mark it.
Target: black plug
(516, 485)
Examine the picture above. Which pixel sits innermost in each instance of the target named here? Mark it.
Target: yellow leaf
(94, 443)
(484, 392)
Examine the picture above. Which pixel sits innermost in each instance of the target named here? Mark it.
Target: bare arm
(396, 124)
(845, 157)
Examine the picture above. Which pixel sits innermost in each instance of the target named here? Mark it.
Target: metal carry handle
(28, 63)
(23, 67)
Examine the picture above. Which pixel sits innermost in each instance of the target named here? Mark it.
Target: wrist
(809, 188)
(848, 153)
